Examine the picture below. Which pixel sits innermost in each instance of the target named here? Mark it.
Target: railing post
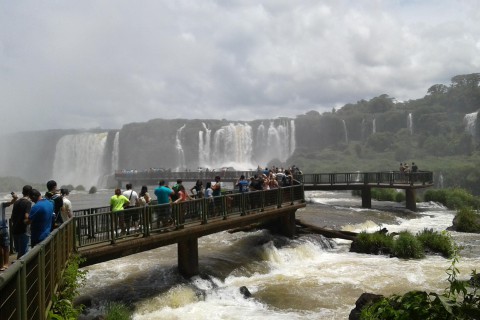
(113, 227)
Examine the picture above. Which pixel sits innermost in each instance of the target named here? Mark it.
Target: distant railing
(367, 178)
(154, 175)
(100, 225)
(28, 285)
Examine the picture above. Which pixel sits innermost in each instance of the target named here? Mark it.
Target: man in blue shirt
(163, 194)
(40, 217)
(242, 184)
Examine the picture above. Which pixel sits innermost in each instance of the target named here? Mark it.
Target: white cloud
(104, 64)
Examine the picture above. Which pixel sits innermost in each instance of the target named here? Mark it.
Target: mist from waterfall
(410, 123)
(79, 159)
(178, 146)
(470, 122)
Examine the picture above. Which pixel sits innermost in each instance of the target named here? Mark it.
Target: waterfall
(178, 145)
(345, 131)
(410, 123)
(204, 143)
(470, 122)
(115, 162)
(440, 180)
(234, 145)
(374, 126)
(79, 159)
(293, 142)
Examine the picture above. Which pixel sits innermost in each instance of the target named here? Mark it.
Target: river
(309, 277)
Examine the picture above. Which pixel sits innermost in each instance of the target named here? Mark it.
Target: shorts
(4, 238)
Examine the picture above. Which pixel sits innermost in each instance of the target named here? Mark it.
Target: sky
(104, 63)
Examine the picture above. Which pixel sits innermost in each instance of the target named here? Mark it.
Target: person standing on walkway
(53, 195)
(117, 203)
(40, 217)
(132, 216)
(20, 229)
(242, 184)
(164, 195)
(67, 211)
(4, 237)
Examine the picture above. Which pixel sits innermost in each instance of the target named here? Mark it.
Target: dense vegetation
(404, 245)
(379, 136)
(72, 280)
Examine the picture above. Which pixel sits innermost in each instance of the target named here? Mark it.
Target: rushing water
(309, 277)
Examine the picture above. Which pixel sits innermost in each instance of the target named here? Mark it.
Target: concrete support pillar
(188, 257)
(410, 199)
(366, 197)
(287, 226)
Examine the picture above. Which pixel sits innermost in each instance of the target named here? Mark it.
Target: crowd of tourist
(33, 218)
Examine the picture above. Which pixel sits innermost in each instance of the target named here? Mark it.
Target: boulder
(364, 300)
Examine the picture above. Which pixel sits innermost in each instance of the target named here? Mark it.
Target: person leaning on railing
(117, 202)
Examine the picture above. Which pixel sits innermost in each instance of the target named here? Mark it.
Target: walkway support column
(287, 226)
(410, 199)
(188, 257)
(366, 197)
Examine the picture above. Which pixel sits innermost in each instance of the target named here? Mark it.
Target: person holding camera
(4, 237)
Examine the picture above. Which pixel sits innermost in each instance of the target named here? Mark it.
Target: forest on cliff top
(381, 133)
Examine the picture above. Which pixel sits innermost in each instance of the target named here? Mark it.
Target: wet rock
(246, 293)
(364, 300)
(85, 300)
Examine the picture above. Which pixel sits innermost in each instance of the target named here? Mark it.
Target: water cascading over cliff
(410, 123)
(180, 153)
(470, 122)
(239, 146)
(79, 159)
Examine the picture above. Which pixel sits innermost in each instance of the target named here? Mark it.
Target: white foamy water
(309, 277)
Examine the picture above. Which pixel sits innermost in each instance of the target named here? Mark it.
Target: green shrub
(72, 280)
(383, 194)
(117, 311)
(459, 198)
(436, 242)
(400, 197)
(460, 301)
(408, 246)
(436, 195)
(80, 188)
(467, 220)
(376, 243)
(92, 190)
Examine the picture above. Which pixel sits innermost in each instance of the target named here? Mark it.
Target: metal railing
(28, 285)
(358, 178)
(99, 225)
(155, 175)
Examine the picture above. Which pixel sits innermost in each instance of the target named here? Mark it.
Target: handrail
(104, 227)
(367, 178)
(28, 285)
